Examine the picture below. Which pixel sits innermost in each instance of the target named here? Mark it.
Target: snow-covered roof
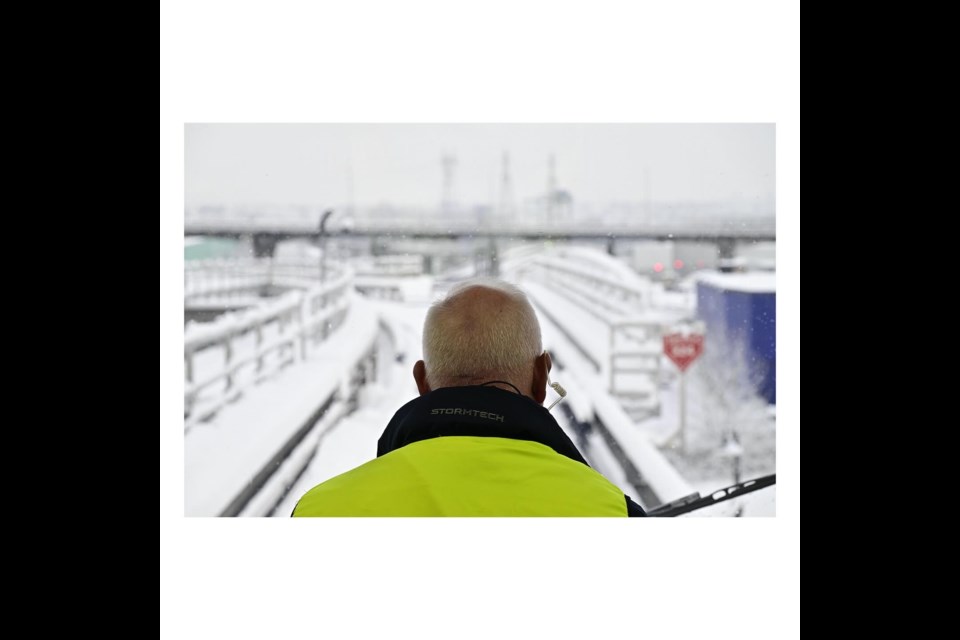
(756, 282)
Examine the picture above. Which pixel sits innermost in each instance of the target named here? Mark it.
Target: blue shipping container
(742, 309)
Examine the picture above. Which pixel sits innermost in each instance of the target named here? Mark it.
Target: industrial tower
(449, 164)
(506, 189)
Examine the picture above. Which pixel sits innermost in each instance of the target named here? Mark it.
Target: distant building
(559, 206)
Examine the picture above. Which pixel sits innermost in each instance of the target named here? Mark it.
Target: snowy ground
(221, 455)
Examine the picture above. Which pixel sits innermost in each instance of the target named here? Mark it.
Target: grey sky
(400, 163)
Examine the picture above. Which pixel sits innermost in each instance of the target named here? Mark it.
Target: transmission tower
(449, 164)
(506, 188)
(551, 185)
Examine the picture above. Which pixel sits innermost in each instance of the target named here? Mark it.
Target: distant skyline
(400, 164)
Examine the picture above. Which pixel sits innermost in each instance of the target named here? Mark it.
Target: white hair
(490, 334)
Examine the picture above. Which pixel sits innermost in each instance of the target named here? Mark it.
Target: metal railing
(632, 367)
(600, 288)
(249, 351)
(222, 277)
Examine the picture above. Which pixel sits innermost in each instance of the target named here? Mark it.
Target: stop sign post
(683, 348)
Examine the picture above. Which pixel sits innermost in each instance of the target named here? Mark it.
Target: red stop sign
(683, 350)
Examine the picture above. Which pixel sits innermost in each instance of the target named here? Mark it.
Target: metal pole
(683, 412)
(323, 244)
(323, 259)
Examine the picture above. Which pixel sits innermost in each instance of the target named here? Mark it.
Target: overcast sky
(400, 164)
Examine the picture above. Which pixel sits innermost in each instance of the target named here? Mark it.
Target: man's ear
(541, 369)
(420, 375)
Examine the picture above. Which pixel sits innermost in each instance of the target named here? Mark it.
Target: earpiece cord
(502, 382)
(553, 385)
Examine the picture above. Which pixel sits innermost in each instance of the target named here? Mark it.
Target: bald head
(483, 330)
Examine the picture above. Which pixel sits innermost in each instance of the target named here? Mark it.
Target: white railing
(632, 366)
(378, 289)
(257, 342)
(604, 289)
(389, 265)
(227, 276)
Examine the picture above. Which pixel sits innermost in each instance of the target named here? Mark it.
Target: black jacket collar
(475, 411)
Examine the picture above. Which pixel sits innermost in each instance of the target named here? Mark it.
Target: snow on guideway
(241, 443)
(221, 456)
(246, 435)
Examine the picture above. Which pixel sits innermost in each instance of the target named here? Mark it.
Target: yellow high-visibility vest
(467, 476)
